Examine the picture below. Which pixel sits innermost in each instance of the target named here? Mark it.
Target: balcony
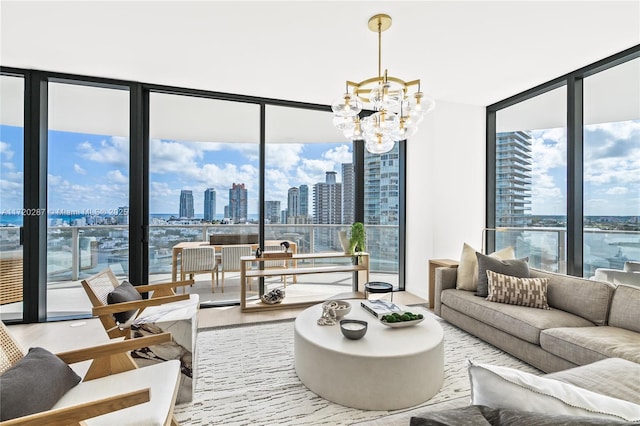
(76, 252)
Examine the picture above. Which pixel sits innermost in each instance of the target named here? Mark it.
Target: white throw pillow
(502, 387)
(467, 278)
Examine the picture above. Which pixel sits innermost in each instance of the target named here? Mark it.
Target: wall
(445, 188)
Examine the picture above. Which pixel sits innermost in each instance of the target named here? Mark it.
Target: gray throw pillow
(125, 292)
(513, 267)
(34, 384)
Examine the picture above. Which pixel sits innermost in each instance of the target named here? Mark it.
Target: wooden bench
(360, 266)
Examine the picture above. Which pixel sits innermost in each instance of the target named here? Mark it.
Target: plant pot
(344, 241)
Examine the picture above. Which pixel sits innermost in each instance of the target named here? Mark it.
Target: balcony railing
(546, 247)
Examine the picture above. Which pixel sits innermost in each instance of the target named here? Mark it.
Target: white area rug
(246, 376)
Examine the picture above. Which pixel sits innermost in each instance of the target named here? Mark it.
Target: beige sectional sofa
(589, 320)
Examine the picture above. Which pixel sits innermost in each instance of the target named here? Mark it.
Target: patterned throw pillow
(530, 292)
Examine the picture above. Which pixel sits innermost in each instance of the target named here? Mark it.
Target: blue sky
(611, 172)
(91, 171)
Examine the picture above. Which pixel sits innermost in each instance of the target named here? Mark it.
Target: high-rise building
(238, 203)
(381, 205)
(209, 204)
(272, 211)
(304, 200)
(513, 178)
(186, 204)
(327, 200)
(348, 193)
(293, 203)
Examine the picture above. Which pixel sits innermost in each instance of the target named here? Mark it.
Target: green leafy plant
(358, 237)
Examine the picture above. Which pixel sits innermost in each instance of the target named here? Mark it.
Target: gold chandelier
(399, 104)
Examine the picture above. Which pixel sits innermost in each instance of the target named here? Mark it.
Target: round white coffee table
(388, 369)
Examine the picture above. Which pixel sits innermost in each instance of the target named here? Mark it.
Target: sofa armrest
(445, 279)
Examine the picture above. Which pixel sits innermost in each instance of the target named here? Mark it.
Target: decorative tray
(402, 324)
(399, 323)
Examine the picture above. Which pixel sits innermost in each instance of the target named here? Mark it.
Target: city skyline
(91, 171)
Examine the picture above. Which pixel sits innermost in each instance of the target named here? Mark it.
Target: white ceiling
(473, 52)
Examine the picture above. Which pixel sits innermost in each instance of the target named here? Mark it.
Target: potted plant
(357, 239)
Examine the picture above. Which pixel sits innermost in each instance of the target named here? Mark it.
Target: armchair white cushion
(162, 378)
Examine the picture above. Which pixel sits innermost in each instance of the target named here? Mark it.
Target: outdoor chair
(99, 286)
(199, 260)
(230, 258)
(114, 391)
(275, 264)
(130, 316)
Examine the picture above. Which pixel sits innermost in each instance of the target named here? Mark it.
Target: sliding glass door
(11, 196)
(87, 191)
(203, 181)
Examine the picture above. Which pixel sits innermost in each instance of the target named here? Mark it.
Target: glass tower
(186, 204)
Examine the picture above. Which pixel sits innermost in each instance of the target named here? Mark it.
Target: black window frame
(575, 164)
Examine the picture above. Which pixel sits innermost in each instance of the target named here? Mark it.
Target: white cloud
(339, 154)
(284, 156)
(116, 176)
(79, 170)
(617, 190)
(6, 151)
(76, 196)
(113, 151)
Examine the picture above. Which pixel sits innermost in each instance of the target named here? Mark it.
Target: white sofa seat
(162, 378)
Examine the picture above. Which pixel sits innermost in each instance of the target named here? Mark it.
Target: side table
(377, 287)
(433, 264)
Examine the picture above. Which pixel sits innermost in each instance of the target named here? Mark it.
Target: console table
(359, 265)
(433, 264)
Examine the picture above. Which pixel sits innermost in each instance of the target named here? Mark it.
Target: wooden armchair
(113, 391)
(100, 285)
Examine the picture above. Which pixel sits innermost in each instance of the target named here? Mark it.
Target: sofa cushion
(34, 384)
(521, 321)
(625, 308)
(125, 292)
(614, 377)
(531, 292)
(585, 345)
(507, 388)
(467, 278)
(583, 297)
(513, 267)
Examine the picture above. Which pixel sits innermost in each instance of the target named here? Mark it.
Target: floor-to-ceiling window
(87, 190)
(309, 192)
(203, 179)
(118, 168)
(11, 195)
(531, 179)
(563, 171)
(382, 210)
(612, 167)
